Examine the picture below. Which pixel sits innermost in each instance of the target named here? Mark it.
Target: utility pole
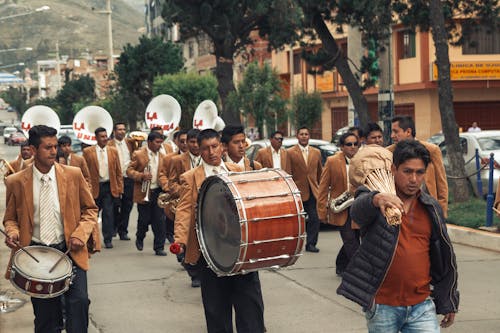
(111, 65)
(355, 51)
(58, 67)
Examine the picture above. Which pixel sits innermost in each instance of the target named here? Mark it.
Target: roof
(7, 78)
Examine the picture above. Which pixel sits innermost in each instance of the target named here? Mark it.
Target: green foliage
(307, 108)
(15, 97)
(259, 94)
(470, 214)
(121, 106)
(369, 65)
(189, 89)
(75, 93)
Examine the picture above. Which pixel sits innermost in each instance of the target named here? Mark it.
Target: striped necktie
(47, 213)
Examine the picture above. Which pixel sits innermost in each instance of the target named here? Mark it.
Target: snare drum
(33, 278)
(249, 221)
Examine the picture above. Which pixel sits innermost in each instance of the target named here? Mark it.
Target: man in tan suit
(23, 160)
(144, 167)
(72, 159)
(304, 164)
(334, 182)
(233, 141)
(273, 156)
(219, 294)
(122, 210)
(60, 195)
(106, 181)
(436, 184)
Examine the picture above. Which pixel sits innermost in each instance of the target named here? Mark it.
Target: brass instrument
(146, 184)
(165, 200)
(341, 202)
(6, 169)
(138, 138)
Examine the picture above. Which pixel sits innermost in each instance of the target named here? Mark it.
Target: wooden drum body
(249, 221)
(34, 279)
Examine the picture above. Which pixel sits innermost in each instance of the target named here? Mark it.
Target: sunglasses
(351, 144)
(278, 138)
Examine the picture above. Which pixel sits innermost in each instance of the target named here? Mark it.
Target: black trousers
(312, 225)
(351, 240)
(124, 207)
(49, 312)
(221, 294)
(151, 214)
(105, 203)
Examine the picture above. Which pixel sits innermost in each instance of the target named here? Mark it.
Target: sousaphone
(39, 115)
(163, 111)
(88, 119)
(206, 116)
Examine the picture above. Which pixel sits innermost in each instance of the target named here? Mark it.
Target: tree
(259, 94)
(137, 67)
(189, 89)
(15, 97)
(121, 105)
(80, 91)
(307, 108)
(229, 24)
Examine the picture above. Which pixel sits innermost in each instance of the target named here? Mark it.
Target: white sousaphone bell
(39, 115)
(206, 116)
(88, 119)
(163, 111)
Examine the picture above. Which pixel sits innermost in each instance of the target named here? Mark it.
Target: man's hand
(12, 241)
(448, 320)
(386, 200)
(75, 244)
(147, 176)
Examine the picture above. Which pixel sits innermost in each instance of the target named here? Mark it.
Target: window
(406, 44)
(296, 63)
(191, 49)
(482, 40)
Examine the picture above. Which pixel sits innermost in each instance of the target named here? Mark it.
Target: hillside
(73, 23)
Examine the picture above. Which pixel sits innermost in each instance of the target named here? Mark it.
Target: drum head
(47, 257)
(218, 224)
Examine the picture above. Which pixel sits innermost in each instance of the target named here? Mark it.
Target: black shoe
(195, 283)
(124, 237)
(312, 248)
(139, 244)
(108, 245)
(160, 253)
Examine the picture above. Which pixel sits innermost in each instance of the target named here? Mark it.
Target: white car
(7, 132)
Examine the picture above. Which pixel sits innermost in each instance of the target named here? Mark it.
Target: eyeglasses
(350, 144)
(278, 138)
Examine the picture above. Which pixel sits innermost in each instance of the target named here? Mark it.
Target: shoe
(124, 237)
(195, 283)
(160, 253)
(312, 248)
(108, 245)
(139, 244)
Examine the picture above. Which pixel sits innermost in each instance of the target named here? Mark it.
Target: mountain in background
(76, 24)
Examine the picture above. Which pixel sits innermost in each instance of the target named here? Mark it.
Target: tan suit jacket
(168, 148)
(265, 157)
(332, 184)
(178, 165)
(78, 210)
(185, 232)
(435, 175)
(79, 162)
(129, 142)
(135, 170)
(115, 170)
(305, 176)
(16, 165)
(163, 175)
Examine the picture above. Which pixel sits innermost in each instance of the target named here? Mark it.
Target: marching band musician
(275, 155)
(23, 160)
(125, 149)
(219, 294)
(73, 159)
(105, 179)
(334, 182)
(374, 135)
(144, 167)
(304, 164)
(60, 195)
(233, 140)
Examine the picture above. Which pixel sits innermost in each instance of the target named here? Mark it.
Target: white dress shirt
(194, 160)
(154, 159)
(211, 170)
(276, 158)
(105, 177)
(37, 185)
(124, 155)
(241, 163)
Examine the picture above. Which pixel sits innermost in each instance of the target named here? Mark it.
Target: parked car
(76, 145)
(16, 139)
(486, 142)
(326, 148)
(7, 132)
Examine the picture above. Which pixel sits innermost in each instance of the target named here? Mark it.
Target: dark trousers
(169, 225)
(220, 294)
(351, 240)
(151, 214)
(49, 312)
(312, 225)
(105, 203)
(123, 208)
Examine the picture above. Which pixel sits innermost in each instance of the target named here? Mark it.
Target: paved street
(135, 291)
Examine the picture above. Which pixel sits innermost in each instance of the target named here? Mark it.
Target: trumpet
(5, 168)
(341, 202)
(146, 184)
(165, 200)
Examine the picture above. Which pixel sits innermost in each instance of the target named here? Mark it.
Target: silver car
(486, 142)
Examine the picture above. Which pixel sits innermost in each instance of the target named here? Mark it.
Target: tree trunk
(448, 122)
(340, 62)
(224, 74)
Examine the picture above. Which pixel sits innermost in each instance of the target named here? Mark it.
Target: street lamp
(18, 49)
(108, 12)
(40, 9)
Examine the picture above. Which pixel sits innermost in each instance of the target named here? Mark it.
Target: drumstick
(59, 260)
(20, 247)
(496, 210)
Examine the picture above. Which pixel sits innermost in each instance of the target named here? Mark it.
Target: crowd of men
(117, 172)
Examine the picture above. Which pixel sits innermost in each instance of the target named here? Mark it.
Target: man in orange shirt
(403, 275)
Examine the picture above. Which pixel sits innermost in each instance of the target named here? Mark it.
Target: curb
(473, 237)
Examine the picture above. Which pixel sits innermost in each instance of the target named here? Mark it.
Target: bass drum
(250, 221)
